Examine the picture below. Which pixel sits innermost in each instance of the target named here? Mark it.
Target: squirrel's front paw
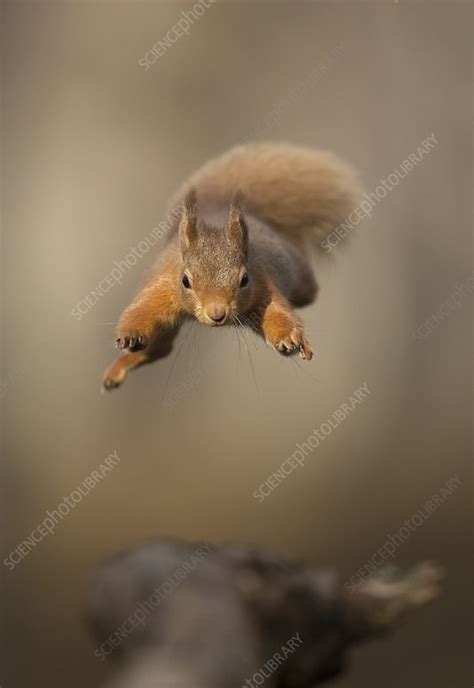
(294, 341)
(132, 340)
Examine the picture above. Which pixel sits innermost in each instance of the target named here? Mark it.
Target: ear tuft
(188, 223)
(237, 227)
(190, 203)
(237, 201)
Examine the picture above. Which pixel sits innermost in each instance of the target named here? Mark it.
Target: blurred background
(94, 144)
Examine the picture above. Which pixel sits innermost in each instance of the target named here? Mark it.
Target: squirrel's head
(215, 283)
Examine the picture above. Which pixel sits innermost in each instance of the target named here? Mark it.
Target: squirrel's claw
(305, 349)
(135, 342)
(293, 342)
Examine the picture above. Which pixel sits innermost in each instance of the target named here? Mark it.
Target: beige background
(93, 147)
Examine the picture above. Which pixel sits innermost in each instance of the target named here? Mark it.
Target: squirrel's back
(302, 193)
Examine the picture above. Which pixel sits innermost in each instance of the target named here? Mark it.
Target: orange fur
(116, 372)
(279, 324)
(156, 306)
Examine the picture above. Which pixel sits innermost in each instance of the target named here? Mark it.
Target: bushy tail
(304, 194)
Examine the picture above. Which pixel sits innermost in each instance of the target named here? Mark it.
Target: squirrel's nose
(217, 313)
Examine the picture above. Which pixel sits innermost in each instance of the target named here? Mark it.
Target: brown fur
(240, 246)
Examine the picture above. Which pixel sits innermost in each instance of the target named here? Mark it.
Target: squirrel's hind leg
(116, 372)
(159, 348)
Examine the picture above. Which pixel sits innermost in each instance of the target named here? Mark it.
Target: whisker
(191, 339)
(195, 342)
(171, 370)
(236, 333)
(247, 321)
(242, 331)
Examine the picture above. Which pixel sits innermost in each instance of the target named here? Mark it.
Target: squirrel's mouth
(216, 323)
(212, 322)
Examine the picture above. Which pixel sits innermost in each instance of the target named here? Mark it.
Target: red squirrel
(239, 251)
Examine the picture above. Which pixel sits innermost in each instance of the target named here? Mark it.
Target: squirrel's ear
(188, 223)
(237, 228)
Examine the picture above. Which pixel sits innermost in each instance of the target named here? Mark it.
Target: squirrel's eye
(186, 282)
(244, 280)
